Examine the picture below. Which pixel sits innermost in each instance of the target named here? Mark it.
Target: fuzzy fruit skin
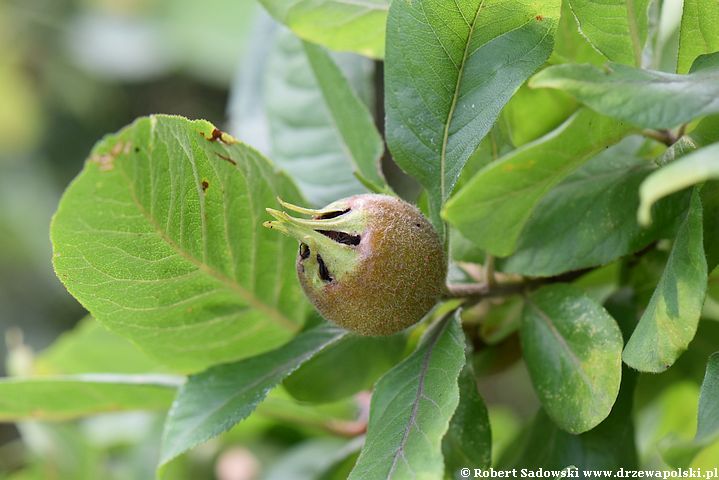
(399, 274)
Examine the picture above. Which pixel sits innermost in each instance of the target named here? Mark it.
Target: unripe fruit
(370, 263)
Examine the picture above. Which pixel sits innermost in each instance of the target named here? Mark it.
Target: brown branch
(480, 291)
(666, 136)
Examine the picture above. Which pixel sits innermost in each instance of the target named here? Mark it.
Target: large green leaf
(589, 219)
(450, 69)
(347, 25)
(670, 320)
(573, 350)
(213, 401)
(616, 28)
(161, 239)
(72, 396)
(411, 409)
(354, 124)
(645, 98)
(352, 364)
(494, 206)
(694, 168)
(698, 33)
(469, 438)
(316, 122)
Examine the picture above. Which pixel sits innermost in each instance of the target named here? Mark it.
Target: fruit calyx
(330, 237)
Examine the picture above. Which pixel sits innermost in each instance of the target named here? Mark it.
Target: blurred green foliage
(72, 70)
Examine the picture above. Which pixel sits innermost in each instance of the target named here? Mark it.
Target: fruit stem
(489, 277)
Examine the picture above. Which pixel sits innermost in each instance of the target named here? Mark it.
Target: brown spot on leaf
(205, 185)
(226, 158)
(106, 161)
(539, 18)
(218, 134)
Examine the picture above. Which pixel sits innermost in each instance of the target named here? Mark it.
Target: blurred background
(70, 72)
(74, 70)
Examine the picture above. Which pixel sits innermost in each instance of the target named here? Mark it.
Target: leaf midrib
(411, 421)
(565, 346)
(453, 105)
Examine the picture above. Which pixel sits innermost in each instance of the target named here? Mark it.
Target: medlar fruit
(370, 263)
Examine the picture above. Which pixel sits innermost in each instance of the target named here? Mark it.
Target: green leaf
(468, 440)
(161, 239)
(664, 32)
(492, 209)
(706, 131)
(608, 446)
(412, 406)
(354, 124)
(546, 108)
(90, 347)
(312, 459)
(311, 138)
(684, 452)
(72, 396)
(710, 203)
(573, 350)
(660, 419)
(589, 218)
(571, 46)
(698, 33)
(694, 168)
(645, 98)
(281, 407)
(615, 28)
(352, 364)
(213, 401)
(708, 420)
(706, 459)
(346, 25)
(447, 78)
(680, 452)
(501, 320)
(670, 320)
(705, 62)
